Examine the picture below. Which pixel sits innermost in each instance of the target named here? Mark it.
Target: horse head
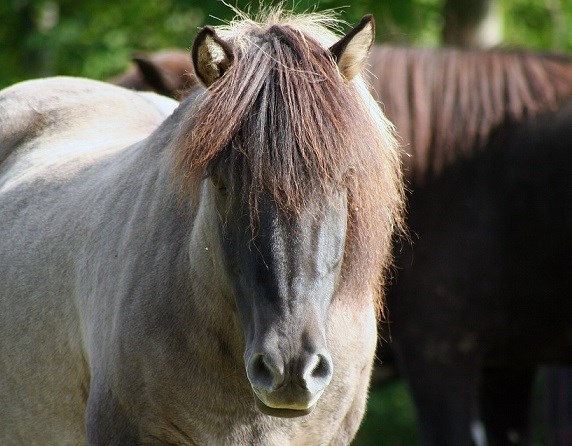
(275, 184)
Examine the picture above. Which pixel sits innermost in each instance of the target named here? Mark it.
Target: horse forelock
(291, 127)
(446, 103)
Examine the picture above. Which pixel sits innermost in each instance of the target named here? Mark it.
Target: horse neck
(201, 296)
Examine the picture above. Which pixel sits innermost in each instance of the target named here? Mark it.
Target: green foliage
(95, 39)
(88, 38)
(390, 418)
(539, 24)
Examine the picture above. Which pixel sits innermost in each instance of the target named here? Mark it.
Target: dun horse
(483, 297)
(214, 281)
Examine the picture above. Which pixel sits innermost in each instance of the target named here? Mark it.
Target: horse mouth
(281, 412)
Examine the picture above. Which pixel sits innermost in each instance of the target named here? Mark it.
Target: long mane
(291, 127)
(446, 103)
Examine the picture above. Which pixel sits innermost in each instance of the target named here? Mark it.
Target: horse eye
(218, 183)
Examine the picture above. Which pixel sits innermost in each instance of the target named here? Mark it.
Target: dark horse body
(201, 276)
(482, 298)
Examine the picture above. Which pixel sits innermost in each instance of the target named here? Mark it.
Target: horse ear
(158, 79)
(352, 50)
(212, 56)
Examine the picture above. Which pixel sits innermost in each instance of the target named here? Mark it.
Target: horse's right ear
(212, 56)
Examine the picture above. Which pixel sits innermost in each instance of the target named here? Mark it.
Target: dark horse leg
(558, 409)
(506, 406)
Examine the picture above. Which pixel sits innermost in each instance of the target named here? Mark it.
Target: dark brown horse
(483, 296)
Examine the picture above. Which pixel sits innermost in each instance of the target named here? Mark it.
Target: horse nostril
(264, 372)
(323, 368)
(316, 372)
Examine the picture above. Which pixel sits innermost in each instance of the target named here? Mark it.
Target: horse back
(47, 114)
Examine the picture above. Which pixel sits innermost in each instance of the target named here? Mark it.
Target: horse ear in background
(212, 56)
(163, 81)
(167, 72)
(352, 50)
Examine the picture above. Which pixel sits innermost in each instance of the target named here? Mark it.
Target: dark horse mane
(447, 102)
(291, 127)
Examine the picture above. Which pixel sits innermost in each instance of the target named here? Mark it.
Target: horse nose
(268, 372)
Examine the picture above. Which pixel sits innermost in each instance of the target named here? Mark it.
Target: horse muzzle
(288, 389)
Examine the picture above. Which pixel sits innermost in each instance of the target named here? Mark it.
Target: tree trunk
(472, 23)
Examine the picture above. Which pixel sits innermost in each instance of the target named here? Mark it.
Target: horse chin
(281, 412)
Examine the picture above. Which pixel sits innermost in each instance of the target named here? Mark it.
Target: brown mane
(446, 102)
(293, 128)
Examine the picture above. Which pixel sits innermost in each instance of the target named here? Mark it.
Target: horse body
(482, 298)
(473, 320)
(138, 311)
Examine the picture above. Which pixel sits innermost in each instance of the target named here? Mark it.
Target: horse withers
(214, 280)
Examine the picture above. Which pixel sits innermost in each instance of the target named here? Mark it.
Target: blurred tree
(95, 39)
(474, 23)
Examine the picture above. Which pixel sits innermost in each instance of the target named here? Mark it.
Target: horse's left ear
(352, 50)
(212, 56)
